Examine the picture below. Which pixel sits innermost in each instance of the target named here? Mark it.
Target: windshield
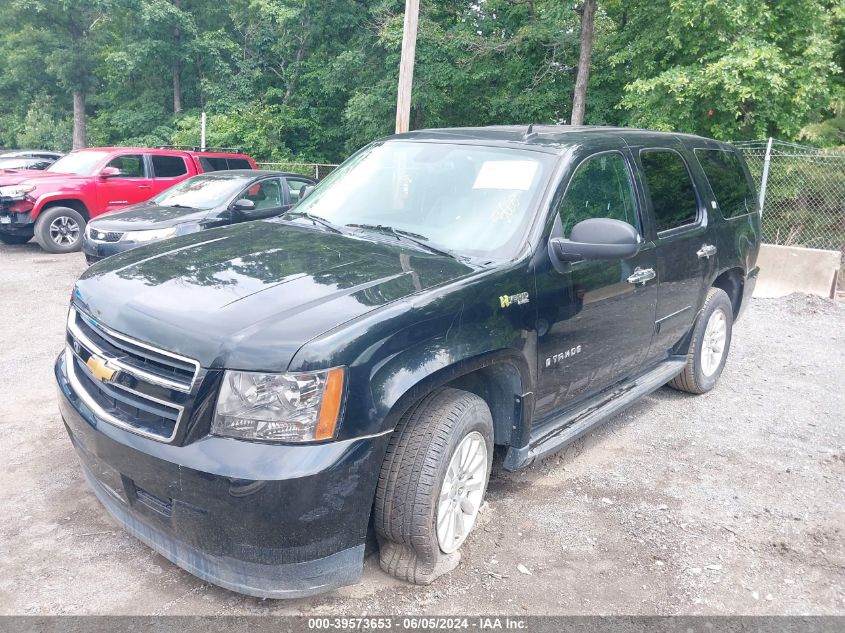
(79, 163)
(467, 199)
(202, 192)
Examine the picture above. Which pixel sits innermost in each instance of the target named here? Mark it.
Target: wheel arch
(73, 203)
(500, 378)
(732, 281)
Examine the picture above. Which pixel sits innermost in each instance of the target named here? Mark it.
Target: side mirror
(304, 191)
(597, 238)
(109, 172)
(244, 205)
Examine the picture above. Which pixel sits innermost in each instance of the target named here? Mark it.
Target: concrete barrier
(788, 269)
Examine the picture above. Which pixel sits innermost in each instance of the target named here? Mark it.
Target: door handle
(145, 186)
(708, 250)
(642, 275)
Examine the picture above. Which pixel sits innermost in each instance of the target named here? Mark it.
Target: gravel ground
(727, 503)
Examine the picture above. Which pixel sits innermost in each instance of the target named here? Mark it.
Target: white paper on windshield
(506, 174)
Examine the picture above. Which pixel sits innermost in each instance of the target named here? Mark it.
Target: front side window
(728, 182)
(130, 165)
(672, 193)
(168, 166)
(470, 199)
(600, 188)
(266, 194)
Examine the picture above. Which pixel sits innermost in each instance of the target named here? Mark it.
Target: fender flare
(46, 201)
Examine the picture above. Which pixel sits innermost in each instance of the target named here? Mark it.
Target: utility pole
(406, 65)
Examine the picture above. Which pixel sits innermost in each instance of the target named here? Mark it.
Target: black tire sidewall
(42, 229)
(719, 301)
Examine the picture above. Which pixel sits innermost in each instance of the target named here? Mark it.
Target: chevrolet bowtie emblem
(100, 368)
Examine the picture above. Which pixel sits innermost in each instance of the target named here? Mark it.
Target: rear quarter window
(169, 166)
(213, 163)
(239, 163)
(727, 180)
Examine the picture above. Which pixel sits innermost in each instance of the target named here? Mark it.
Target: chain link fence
(803, 193)
(315, 170)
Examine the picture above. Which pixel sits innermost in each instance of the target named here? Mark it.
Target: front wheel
(711, 341)
(432, 484)
(59, 230)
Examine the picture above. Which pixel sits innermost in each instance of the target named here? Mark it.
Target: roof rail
(197, 148)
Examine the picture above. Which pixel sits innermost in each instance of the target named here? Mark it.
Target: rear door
(681, 234)
(167, 170)
(131, 185)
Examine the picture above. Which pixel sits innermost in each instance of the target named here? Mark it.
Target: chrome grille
(103, 236)
(126, 382)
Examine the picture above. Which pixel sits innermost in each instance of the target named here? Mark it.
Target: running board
(552, 436)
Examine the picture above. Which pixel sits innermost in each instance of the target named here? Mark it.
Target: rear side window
(213, 163)
(217, 163)
(295, 186)
(600, 188)
(728, 182)
(670, 186)
(169, 166)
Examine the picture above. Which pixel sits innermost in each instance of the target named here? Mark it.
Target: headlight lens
(279, 407)
(16, 191)
(149, 236)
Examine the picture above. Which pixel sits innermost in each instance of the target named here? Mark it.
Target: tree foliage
(315, 80)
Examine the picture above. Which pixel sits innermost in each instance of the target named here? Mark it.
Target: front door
(685, 253)
(130, 186)
(595, 318)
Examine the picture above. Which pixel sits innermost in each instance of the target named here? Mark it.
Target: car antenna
(529, 133)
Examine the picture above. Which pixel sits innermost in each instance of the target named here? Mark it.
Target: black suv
(244, 400)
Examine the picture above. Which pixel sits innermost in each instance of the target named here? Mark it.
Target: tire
(704, 366)
(408, 497)
(49, 229)
(7, 238)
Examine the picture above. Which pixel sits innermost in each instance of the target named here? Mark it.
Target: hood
(17, 176)
(249, 296)
(147, 215)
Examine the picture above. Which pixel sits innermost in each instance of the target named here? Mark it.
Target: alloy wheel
(462, 491)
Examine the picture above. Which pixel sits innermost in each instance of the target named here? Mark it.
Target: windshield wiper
(179, 206)
(414, 238)
(316, 219)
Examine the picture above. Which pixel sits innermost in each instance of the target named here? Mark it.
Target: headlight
(16, 191)
(149, 236)
(279, 407)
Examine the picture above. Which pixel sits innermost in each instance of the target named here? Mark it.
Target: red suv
(54, 205)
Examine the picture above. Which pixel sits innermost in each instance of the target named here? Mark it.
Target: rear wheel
(59, 230)
(432, 484)
(711, 341)
(7, 238)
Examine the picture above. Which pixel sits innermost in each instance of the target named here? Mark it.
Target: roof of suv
(551, 138)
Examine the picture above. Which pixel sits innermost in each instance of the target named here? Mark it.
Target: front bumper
(95, 251)
(268, 521)
(14, 222)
